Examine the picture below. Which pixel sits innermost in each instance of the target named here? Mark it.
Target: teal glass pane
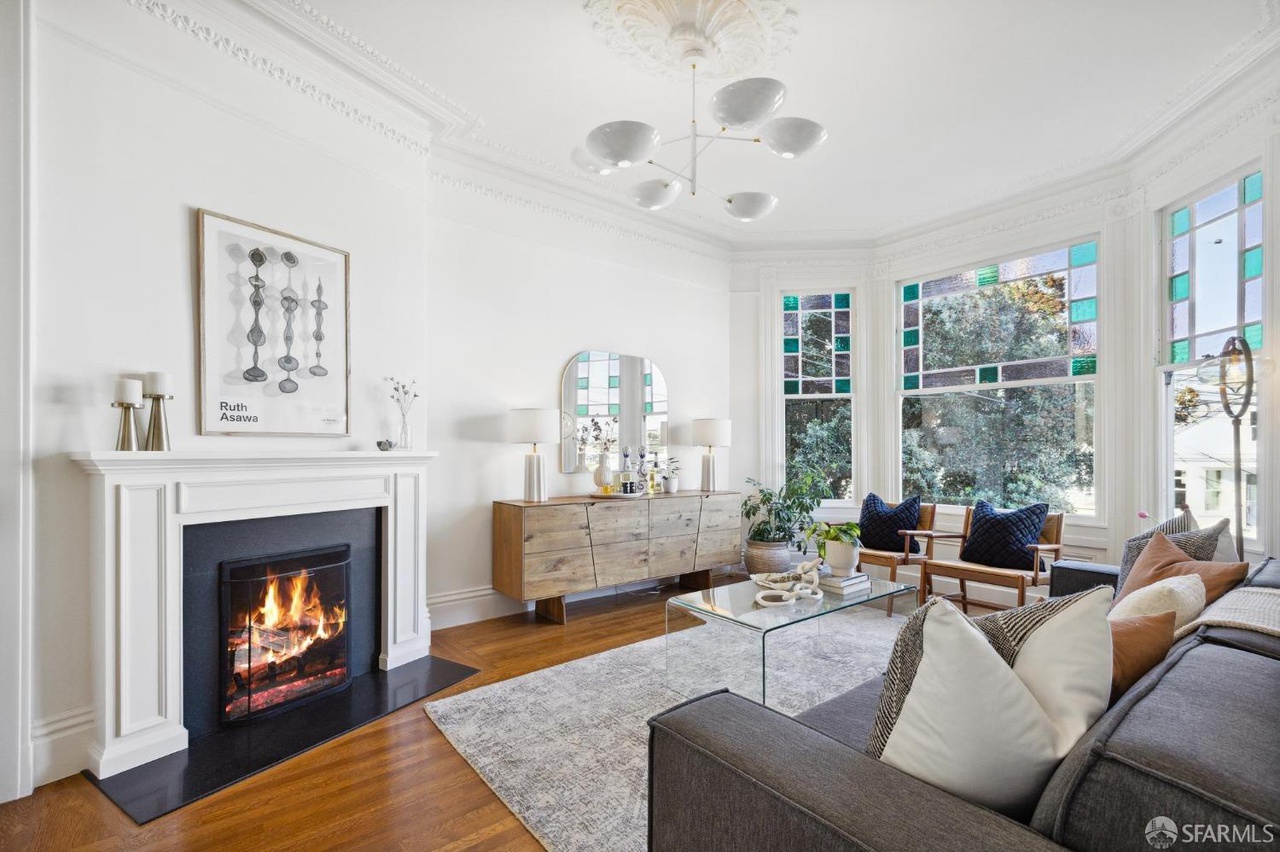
(1252, 187)
(613, 409)
(1179, 287)
(1253, 262)
(648, 379)
(584, 356)
(1253, 335)
(791, 303)
(1180, 221)
(614, 356)
(988, 275)
(1180, 351)
(911, 382)
(648, 408)
(842, 301)
(842, 343)
(583, 382)
(911, 337)
(791, 344)
(791, 387)
(582, 411)
(615, 381)
(1084, 310)
(844, 386)
(988, 374)
(1086, 366)
(911, 292)
(1084, 254)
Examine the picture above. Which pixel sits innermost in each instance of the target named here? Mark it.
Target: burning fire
(286, 629)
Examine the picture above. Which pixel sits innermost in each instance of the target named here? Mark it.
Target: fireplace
(284, 632)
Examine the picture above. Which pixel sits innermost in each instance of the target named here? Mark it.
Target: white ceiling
(932, 105)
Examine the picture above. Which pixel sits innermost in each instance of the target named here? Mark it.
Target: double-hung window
(997, 391)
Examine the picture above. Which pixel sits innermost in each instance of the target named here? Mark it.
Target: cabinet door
(619, 521)
(621, 563)
(549, 574)
(723, 547)
(670, 516)
(555, 528)
(674, 555)
(722, 512)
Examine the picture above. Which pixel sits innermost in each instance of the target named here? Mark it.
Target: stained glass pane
(582, 382)
(791, 323)
(1253, 225)
(1083, 254)
(816, 385)
(842, 364)
(986, 375)
(791, 387)
(614, 409)
(1179, 287)
(1084, 282)
(791, 366)
(1180, 255)
(948, 378)
(842, 343)
(843, 386)
(1036, 370)
(791, 303)
(911, 315)
(1086, 366)
(1180, 222)
(911, 382)
(1222, 201)
(842, 301)
(1253, 262)
(1180, 351)
(816, 344)
(1253, 336)
(842, 322)
(582, 411)
(911, 360)
(950, 284)
(1084, 310)
(988, 275)
(911, 292)
(1050, 261)
(911, 337)
(1084, 339)
(816, 302)
(1252, 187)
(615, 381)
(1179, 320)
(791, 344)
(1253, 300)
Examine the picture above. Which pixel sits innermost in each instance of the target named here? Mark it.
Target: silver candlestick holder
(127, 437)
(158, 428)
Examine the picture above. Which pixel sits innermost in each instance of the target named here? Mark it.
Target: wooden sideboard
(544, 551)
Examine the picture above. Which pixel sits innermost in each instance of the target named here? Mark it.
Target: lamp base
(535, 479)
(709, 472)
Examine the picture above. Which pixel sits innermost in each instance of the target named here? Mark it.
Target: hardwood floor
(393, 784)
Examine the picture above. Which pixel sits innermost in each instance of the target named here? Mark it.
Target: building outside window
(1213, 489)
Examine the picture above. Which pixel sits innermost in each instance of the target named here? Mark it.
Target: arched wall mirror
(609, 401)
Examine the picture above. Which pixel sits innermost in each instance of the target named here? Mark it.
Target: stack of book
(856, 584)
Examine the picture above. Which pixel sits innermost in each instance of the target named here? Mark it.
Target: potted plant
(838, 544)
(776, 518)
(671, 476)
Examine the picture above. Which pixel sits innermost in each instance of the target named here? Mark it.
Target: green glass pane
(844, 386)
(1180, 221)
(583, 382)
(584, 356)
(613, 409)
(842, 343)
(791, 387)
(1252, 187)
(988, 275)
(791, 303)
(791, 344)
(1084, 254)
(1084, 310)
(614, 356)
(1253, 335)
(842, 301)
(911, 337)
(911, 382)
(1086, 366)
(911, 292)
(1253, 262)
(615, 381)
(1180, 351)
(648, 408)
(648, 379)
(1179, 287)
(582, 411)
(988, 374)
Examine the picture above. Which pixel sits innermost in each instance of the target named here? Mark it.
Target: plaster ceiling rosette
(726, 38)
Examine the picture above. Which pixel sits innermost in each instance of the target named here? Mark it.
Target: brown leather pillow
(1162, 559)
(1138, 644)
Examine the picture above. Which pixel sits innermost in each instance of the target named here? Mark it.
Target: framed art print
(274, 331)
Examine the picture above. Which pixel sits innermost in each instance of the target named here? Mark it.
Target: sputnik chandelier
(726, 36)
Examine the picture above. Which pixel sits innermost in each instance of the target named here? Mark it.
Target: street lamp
(1232, 370)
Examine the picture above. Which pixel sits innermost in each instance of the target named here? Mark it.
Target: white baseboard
(60, 744)
(449, 609)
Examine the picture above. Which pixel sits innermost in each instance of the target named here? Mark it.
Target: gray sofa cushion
(1187, 742)
(1070, 576)
(849, 716)
(1245, 640)
(1266, 575)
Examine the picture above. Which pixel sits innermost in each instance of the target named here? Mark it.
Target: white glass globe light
(588, 163)
(657, 194)
(750, 206)
(745, 104)
(622, 144)
(791, 137)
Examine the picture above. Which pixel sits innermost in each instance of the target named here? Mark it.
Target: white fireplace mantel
(140, 503)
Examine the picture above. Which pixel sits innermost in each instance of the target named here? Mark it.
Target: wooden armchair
(894, 559)
(1050, 543)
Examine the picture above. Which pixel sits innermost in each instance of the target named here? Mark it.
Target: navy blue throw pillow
(880, 524)
(1000, 539)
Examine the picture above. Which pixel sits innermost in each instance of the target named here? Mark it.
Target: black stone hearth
(231, 754)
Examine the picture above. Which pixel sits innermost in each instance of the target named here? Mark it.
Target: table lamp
(534, 426)
(711, 432)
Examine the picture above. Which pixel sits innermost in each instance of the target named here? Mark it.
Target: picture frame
(274, 318)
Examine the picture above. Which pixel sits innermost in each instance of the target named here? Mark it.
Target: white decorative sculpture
(786, 589)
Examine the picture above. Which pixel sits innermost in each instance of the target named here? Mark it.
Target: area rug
(566, 748)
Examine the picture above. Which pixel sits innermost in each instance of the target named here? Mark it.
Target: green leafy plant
(778, 515)
(824, 532)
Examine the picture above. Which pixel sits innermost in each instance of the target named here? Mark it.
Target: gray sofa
(1194, 740)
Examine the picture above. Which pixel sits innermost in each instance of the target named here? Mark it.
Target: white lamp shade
(657, 194)
(712, 432)
(588, 163)
(792, 137)
(622, 143)
(750, 206)
(534, 426)
(746, 103)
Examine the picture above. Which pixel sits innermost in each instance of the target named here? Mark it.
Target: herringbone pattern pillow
(999, 539)
(1199, 545)
(880, 524)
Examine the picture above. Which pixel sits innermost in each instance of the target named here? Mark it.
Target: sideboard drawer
(674, 555)
(721, 512)
(674, 516)
(719, 548)
(621, 563)
(555, 528)
(550, 574)
(618, 521)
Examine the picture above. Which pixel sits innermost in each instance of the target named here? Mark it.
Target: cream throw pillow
(986, 708)
(1183, 596)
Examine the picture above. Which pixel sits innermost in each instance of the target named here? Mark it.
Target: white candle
(129, 390)
(159, 383)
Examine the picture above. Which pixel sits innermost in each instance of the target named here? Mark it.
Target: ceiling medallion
(726, 38)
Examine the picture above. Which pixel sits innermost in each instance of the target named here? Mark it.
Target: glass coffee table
(719, 638)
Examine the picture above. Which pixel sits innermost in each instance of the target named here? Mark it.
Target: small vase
(406, 432)
(604, 473)
(671, 484)
(841, 555)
